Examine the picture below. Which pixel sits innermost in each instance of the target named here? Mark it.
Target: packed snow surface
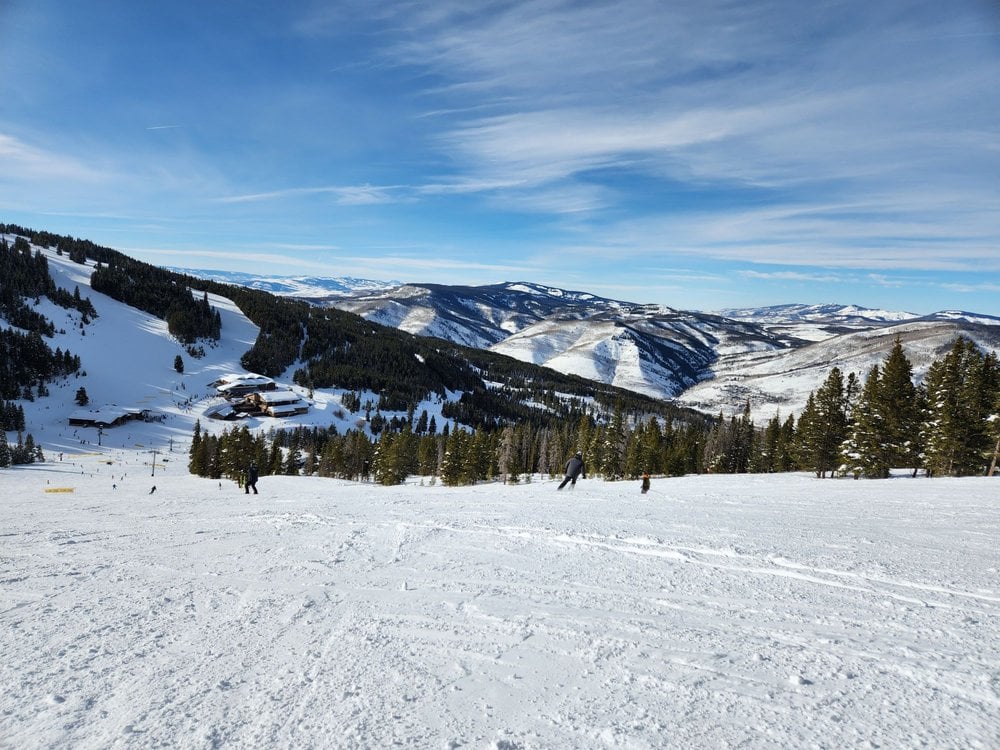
(715, 611)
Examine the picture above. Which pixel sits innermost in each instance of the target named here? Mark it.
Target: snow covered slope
(650, 349)
(478, 316)
(773, 356)
(659, 353)
(128, 360)
(714, 612)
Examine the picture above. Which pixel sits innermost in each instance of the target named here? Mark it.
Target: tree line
(949, 425)
(11, 416)
(158, 292)
(25, 451)
(27, 362)
(454, 456)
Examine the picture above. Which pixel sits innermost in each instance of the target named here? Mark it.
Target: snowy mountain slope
(781, 381)
(473, 316)
(967, 317)
(128, 358)
(659, 354)
(716, 611)
(774, 356)
(649, 349)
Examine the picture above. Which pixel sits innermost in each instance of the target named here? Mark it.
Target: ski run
(713, 612)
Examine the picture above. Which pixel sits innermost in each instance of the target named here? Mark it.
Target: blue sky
(701, 154)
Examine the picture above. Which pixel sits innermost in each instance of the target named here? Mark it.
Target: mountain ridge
(664, 352)
(127, 354)
(694, 357)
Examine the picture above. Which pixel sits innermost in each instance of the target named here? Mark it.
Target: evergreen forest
(27, 363)
(947, 426)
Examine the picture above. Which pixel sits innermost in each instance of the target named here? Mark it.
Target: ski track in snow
(714, 612)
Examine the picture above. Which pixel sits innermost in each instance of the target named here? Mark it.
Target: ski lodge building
(239, 385)
(278, 403)
(112, 416)
(249, 394)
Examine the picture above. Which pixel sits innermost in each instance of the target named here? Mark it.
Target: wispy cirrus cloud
(812, 278)
(803, 111)
(29, 162)
(349, 195)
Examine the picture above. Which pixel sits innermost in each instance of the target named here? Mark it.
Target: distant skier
(645, 483)
(250, 481)
(152, 490)
(574, 468)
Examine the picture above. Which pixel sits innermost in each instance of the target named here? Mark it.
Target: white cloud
(350, 195)
(26, 162)
(874, 141)
(811, 278)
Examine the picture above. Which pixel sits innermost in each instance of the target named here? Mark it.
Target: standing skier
(251, 479)
(574, 468)
(645, 483)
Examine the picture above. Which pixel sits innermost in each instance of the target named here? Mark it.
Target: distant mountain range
(312, 288)
(772, 356)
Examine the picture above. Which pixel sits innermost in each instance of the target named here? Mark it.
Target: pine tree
(179, 364)
(611, 458)
(454, 460)
(994, 432)
(479, 456)
(864, 453)
(81, 396)
(744, 443)
(387, 463)
(785, 460)
(961, 389)
(765, 458)
(196, 458)
(542, 466)
(823, 426)
(507, 458)
(899, 409)
(427, 456)
(650, 447)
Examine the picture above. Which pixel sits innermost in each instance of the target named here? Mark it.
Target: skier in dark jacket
(251, 478)
(574, 468)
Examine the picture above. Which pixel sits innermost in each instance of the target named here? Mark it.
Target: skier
(645, 483)
(251, 478)
(574, 468)
(152, 490)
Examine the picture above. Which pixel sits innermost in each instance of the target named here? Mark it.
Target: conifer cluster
(27, 363)
(25, 451)
(949, 425)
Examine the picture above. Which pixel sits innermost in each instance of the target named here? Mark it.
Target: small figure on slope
(250, 480)
(574, 469)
